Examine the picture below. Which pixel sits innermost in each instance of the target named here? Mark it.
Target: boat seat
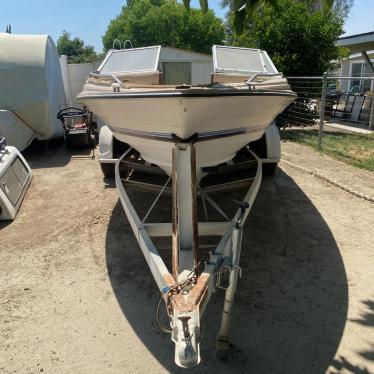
(151, 78)
(158, 86)
(143, 78)
(228, 78)
(261, 82)
(271, 84)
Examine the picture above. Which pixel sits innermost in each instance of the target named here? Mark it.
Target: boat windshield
(131, 60)
(233, 60)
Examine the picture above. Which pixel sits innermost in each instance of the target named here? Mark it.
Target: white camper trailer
(32, 90)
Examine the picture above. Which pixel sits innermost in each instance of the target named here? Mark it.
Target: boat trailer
(187, 288)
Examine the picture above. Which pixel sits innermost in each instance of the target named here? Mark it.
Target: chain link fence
(335, 115)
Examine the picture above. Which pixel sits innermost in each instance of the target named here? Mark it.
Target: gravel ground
(76, 296)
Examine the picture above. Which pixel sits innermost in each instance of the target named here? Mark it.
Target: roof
(359, 55)
(171, 54)
(358, 42)
(187, 50)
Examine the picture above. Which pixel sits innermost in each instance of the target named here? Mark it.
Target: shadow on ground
(42, 155)
(4, 224)
(291, 304)
(341, 364)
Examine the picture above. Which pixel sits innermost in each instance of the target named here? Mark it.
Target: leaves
(169, 24)
(204, 5)
(244, 10)
(327, 5)
(187, 4)
(239, 21)
(75, 49)
(299, 41)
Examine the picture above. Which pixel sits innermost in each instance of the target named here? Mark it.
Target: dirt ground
(358, 180)
(76, 296)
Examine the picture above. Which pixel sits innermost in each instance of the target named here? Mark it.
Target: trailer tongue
(187, 288)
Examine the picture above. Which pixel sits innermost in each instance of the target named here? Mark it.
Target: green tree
(299, 41)
(75, 49)
(203, 5)
(165, 22)
(242, 11)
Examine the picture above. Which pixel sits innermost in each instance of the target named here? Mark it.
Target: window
(234, 60)
(360, 69)
(131, 60)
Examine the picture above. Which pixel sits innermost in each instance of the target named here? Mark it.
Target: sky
(89, 19)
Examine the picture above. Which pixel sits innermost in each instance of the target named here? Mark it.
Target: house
(183, 66)
(358, 99)
(357, 64)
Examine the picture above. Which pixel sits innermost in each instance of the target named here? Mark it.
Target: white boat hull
(151, 123)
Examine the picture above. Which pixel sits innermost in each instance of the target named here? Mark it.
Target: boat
(191, 141)
(246, 94)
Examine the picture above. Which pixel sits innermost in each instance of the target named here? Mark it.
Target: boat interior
(124, 69)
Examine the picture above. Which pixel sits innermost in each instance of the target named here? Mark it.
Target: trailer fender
(273, 145)
(105, 144)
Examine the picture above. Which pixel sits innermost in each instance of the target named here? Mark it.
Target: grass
(353, 149)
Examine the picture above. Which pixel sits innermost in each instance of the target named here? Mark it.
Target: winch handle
(70, 112)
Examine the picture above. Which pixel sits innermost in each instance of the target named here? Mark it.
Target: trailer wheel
(118, 149)
(107, 169)
(259, 147)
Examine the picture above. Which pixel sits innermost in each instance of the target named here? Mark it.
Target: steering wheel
(70, 112)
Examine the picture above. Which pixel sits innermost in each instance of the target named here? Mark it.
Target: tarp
(15, 131)
(31, 83)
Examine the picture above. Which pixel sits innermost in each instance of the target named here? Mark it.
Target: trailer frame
(187, 288)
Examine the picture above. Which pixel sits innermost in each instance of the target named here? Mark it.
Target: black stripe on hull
(168, 137)
(168, 95)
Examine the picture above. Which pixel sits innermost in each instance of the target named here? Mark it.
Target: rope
(163, 328)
